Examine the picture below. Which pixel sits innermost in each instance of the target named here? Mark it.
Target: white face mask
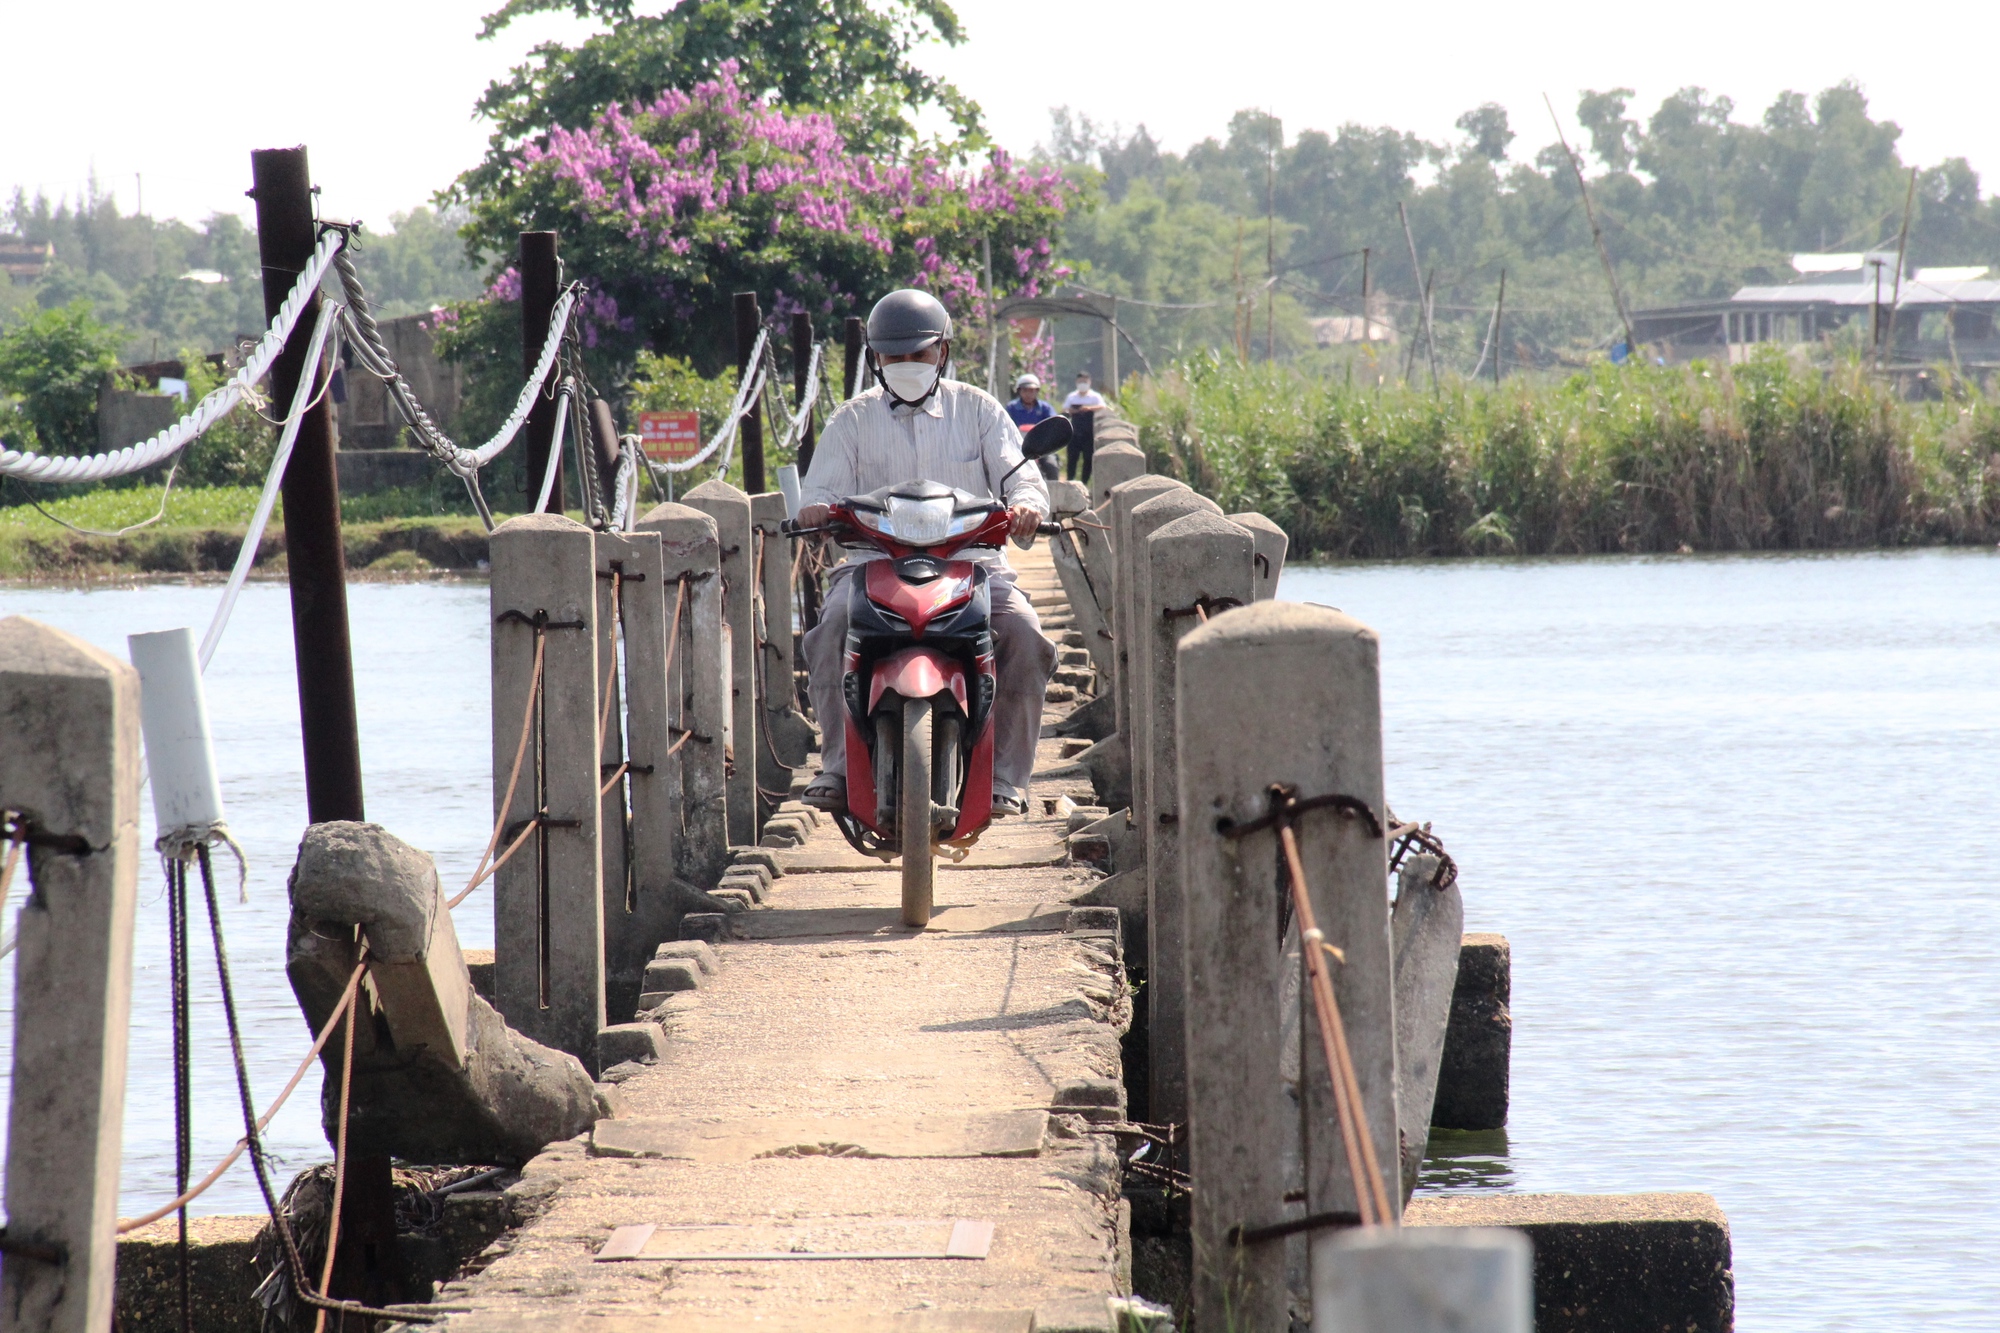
(910, 381)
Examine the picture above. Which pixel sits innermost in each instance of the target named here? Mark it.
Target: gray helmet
(906, 321)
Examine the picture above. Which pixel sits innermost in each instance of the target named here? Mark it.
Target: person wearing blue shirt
(1027, 409)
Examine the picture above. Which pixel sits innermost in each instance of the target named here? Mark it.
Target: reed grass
(1769, 455)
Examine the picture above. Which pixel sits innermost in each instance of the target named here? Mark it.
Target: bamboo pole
(1596, 232)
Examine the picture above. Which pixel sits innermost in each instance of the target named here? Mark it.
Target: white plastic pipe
(173, 715)
(788, 486)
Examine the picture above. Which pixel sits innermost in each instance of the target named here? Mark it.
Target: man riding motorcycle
(915, 424)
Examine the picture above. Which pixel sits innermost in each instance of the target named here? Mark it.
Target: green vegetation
(50, 367)
(1694, 203)
(1768, 455)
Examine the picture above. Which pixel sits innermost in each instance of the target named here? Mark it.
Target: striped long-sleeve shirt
(960, 437)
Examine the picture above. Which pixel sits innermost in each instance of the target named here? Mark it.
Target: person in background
(1028, 410)
(1082, 407)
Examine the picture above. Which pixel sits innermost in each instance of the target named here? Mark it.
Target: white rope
(625, 484)
(753, 381)
(31, 466)
(247, 555)
(555, 447)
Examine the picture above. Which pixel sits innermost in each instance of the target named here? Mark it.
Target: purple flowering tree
(668, 208)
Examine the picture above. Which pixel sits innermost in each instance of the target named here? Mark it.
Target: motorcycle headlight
(918, 522)
(964, 523)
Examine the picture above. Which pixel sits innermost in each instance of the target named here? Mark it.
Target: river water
(1738, 816)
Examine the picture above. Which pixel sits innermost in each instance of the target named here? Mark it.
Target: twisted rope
(747, 390)
(31, 466)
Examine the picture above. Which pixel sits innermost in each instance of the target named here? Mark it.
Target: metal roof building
(1935, 315)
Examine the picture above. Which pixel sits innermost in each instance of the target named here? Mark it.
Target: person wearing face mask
(916, 423)
(1082, 407)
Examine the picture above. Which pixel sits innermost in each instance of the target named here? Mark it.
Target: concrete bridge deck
(842, 1083)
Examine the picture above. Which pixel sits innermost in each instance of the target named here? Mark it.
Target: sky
(381, 91)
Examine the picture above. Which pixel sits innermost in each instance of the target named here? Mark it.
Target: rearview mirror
(1047, 437)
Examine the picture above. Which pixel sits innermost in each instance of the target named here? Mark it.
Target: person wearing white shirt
(916, 424)
(1082, 408)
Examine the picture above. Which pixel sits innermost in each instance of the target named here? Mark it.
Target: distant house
(1934, 315)
(25, 261)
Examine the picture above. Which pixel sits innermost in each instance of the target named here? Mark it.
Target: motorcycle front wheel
(914, 815)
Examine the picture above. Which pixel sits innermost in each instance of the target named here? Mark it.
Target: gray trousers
(1025, 661)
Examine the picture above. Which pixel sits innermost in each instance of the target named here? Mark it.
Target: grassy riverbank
(1765, 456)
(203, 528)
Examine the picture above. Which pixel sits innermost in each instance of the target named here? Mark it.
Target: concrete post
(1276, 692)
(1200, 560)
(1136, 651)
(69, 772)
(1115, 511)
(730, 508)
(548, 910)
(1111, 465)
(784, 737)
(1087, 597)
(640, 823)
(696, 788)
(1272, 543)
(1423, 1280)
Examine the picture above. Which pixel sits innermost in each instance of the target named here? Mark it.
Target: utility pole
(541, 279)
(1242, 320)
(749, 318)
(1271, 239)
(316, 568)
(1430, 342)
(1367, 322)
(851, 338)
(1596, 232)
(992, 320)
(1902, 248)
(1499, 305)
(802, 350)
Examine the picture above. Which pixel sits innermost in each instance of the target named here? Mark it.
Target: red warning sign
(670, 437)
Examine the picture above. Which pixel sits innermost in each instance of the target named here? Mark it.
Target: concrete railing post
(1284, 693)
(784, 737)
(69, 784)
(1423, 1280)
(1272, 543)
(639, 817)
(1115, 511)
(1112, 465)
(730, 508)
(1197, 565)
(1137, 650)
(1088, 602)
(548, 909)
(695, 792)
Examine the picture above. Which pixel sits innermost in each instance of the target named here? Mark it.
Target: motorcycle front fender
(917, 673)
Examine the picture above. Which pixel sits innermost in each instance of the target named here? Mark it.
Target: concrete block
(709, 927)
(548, 907)
(1473, 1070)
(750, 873)
(1117, 509)
(1111, 465)
(479, 969)
(1092, 721)
(1272, 543)
(361, 874)
(1425, 926)
(697, 952)
(223, 1274)
(1093, 850)
(640, 813)
(503, 1100)
(696, 781)
(1069, 497)
(641, 1042)
(1141, 637)
(1421, 1280)
(800, 810)
(672, 974)
(743, 898)
(1638, 1262)
(1275, 693)
(69, 768)
(1196, 559)
(1087, 599)
(757, 856)
(730, 508)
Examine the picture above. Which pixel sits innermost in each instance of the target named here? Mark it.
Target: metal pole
(802, 349)
(992, 320)
(541, 279)
(748, 319)
(852, 333)
(316, 565)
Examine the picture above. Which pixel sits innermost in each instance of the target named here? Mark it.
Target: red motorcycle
(917, 671)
